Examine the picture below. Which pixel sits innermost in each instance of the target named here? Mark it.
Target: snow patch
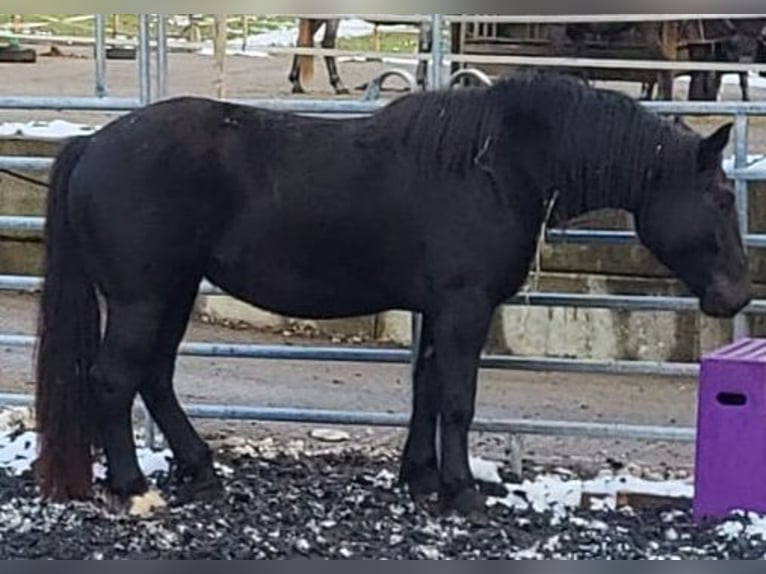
(554, 493)
(57, 129)
(286, 37)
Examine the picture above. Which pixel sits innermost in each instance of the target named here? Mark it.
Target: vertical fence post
(437, 51)
(144, 60)
(741, 124)
(100, 31)
(220, 31)
(145, 96)
(162, 55)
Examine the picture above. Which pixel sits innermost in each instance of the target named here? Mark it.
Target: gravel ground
(287, 503)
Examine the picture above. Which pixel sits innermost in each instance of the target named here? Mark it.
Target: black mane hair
(595, 146)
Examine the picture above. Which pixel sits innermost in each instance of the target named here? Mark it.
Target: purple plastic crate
(730, 467)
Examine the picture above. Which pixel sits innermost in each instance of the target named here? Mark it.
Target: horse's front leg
(328, 43)
(335, 79)
(460, 330)
(420, 468)
(744, 86)
(295, 76)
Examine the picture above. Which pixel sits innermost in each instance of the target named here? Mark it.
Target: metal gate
(740, 171)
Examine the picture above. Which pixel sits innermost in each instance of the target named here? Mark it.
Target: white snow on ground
(755, 80)
(287, 37)
(754, 526)
(18, 447)
(57, 129)
(485, 471)
(552, 492)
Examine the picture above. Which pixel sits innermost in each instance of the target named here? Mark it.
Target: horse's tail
(69, 337)
(305, 40)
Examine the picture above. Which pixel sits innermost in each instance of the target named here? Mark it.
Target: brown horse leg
(744, 86)
(303, 66)
(665, 86)
(295, 76)
(329, 42)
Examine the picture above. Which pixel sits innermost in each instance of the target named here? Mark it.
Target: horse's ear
(711, 147)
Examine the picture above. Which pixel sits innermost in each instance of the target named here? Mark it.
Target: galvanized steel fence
(151, 87)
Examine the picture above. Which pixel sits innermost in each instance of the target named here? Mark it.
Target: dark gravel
(342, 505)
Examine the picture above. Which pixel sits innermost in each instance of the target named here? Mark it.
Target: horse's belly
(314, 285)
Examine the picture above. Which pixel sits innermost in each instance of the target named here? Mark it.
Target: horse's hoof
(146, 504)
(471, 505)
(343, 91)
(422, 483)
(206, 490)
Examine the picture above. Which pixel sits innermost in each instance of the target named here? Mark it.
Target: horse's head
(745, 41)
(689, 222)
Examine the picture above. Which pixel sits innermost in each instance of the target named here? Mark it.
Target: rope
(543, 233)
(25, 178)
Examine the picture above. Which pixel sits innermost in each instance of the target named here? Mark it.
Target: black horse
(433, 204)
(302, 66)
(735, 40)
(717, 40)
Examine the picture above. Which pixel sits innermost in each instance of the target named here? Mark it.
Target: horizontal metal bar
(400, 420)
(21, 223)
(589, 236)
(328, 106)
(610, 237)
(402, 356)
(28, 283)
(129, 104)
(622, 302)
(581, 300)
(706, 108)
(26, 163)
(586, 18)
(44, 164)
(300, 106)
(555, 236)
(388, 19)
(68, 103)
(564, 62)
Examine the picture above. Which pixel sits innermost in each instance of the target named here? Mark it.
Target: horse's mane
(554, 126)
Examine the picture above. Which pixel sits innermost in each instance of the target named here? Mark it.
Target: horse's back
(273, 207)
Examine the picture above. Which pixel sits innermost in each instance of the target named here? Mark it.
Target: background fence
(152, 53)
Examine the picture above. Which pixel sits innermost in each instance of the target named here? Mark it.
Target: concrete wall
(555, 332)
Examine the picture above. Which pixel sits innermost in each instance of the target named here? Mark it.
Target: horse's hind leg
(328, 42)
(123, 363)
(193, 456)
(420, 469)
(744, 86)
(295, 76)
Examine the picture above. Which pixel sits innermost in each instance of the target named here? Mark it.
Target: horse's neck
(591, 187)
(618, 176)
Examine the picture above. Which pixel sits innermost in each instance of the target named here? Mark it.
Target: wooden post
(219, 42)
(16, 26)
(376, 38)
(245, 31)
